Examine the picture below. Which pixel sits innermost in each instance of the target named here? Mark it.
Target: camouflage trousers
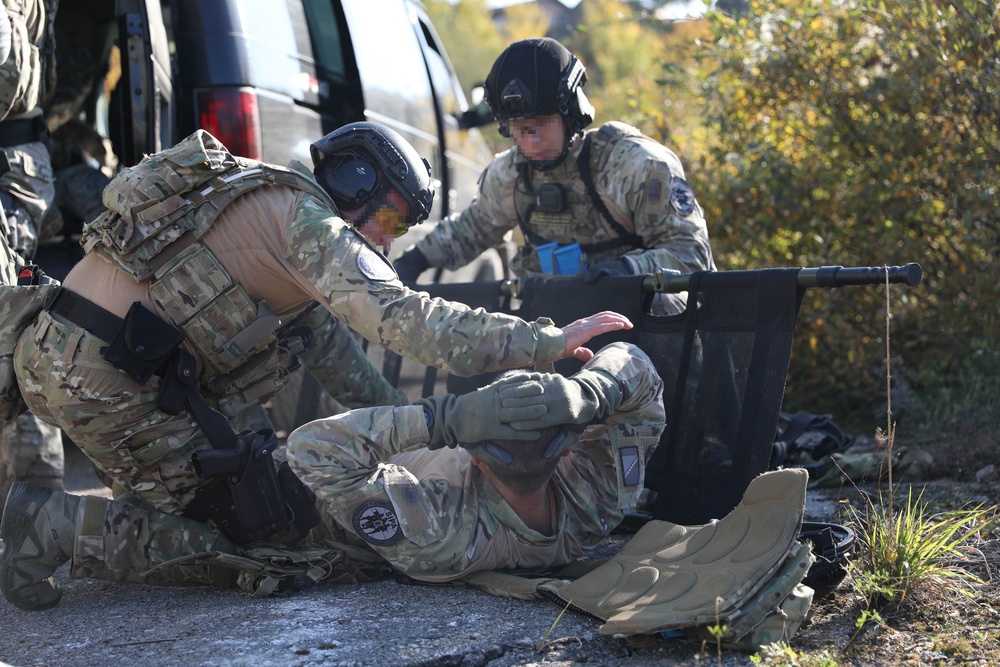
(117, 540)
(30, 450)
(28, 190)
(113, 419)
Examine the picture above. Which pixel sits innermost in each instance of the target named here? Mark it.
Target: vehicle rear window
(391, 64)
(323, 27)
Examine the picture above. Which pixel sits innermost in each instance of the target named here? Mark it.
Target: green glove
(476, 417)
(582, 399)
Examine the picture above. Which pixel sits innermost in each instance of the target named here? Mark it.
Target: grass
(540, 644)
(911, 548)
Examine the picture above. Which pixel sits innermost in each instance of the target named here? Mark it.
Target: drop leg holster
(247, 498)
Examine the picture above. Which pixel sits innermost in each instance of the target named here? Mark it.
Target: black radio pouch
(143, 343)
(244, 497)
(550, 198)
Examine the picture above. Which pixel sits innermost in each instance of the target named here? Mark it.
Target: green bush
(860, 133)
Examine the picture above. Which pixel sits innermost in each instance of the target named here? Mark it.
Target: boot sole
(16, 530)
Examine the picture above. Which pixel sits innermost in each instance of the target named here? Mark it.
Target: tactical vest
(27, 77)
(158, 211)
(591, 160)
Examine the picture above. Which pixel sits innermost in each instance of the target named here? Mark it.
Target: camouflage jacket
(356, 283)
(435, 517)
(640, 182)
(269, 236)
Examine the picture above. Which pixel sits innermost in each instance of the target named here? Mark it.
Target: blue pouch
(544, 253)
(568, 260)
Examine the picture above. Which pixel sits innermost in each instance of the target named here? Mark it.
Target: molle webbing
(153, 204)
(235, 337)
(158, 211)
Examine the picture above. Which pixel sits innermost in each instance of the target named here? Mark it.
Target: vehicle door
(141, 106)
(465, 151)
(394, 79)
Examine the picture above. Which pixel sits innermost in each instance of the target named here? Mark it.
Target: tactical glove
(612, 267)
(410, 265)
(586, 397)
(476, 417)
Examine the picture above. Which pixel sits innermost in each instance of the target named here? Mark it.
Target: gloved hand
(611, 267)
(582, 399)
(478, 416)
(410, 265)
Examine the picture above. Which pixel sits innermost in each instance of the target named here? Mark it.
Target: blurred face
(539, 138)
(386, 219)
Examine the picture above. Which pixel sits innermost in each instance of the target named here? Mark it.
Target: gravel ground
(385, 623)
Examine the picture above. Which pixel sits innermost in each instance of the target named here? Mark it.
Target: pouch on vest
(19, 305)
(143, 344)
(178, 191)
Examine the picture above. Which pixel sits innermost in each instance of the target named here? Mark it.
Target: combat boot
(37, 530)
(6, 482)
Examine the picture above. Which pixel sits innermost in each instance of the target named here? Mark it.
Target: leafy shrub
(860, 133)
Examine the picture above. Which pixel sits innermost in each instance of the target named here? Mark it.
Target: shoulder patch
(375, 521)
(682, 198)
(373, 265)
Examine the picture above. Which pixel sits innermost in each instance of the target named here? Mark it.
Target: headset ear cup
(351, 182)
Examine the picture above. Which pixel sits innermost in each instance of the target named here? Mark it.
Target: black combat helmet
(353, 163)
(537, 77)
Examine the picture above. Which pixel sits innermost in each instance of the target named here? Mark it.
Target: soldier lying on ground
(172, 323)
(527, 472)
(617, 199)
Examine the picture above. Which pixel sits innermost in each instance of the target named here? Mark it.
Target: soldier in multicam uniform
(494, 500)
(29, 448)
(528, 472)
(27, 78)
(618, 194)
(285, 246)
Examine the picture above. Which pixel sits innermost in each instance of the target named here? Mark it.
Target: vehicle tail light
(232, 116)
